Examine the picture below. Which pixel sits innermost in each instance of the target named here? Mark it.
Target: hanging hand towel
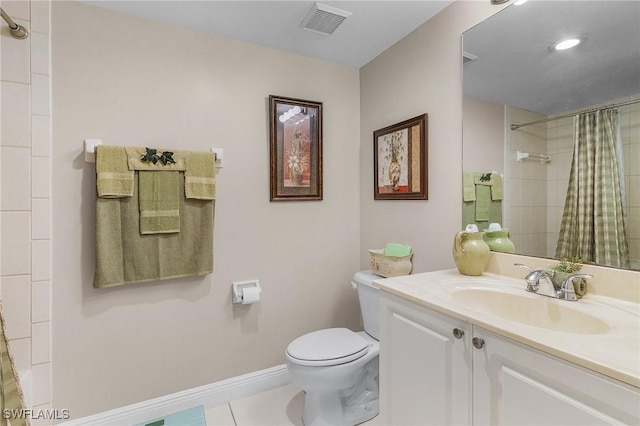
(159, 193)
(497, 192)
(483, 202)
(199, 178)
(113, 177)
(468, 187)
(135, 154)
(124, 256)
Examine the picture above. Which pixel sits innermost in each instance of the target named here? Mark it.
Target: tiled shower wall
(525, 204)
(25, 192)
(538, 187)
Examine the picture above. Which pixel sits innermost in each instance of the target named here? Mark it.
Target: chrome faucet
(567, 290)
(541, 282)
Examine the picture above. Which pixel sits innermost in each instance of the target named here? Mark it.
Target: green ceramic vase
(470, 252)
(499, 241)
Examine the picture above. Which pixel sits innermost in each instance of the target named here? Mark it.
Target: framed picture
(295, 149)
(400, 161)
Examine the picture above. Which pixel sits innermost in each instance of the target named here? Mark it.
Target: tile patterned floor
(281, 406)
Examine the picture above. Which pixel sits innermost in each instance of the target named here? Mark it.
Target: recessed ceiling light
(520, 2)
(567, 44)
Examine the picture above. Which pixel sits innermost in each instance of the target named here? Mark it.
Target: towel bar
(543, 158)
(91, 144)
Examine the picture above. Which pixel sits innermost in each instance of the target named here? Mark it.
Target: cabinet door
(424, 369)
(517, 385)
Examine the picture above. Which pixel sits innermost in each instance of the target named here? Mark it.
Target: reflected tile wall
(529, 181)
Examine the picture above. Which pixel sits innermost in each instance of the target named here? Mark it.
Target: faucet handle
(567, 291)
(522, 265)
(534, 277)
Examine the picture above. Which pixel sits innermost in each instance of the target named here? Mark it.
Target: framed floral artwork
(295, 149)
(400, 161)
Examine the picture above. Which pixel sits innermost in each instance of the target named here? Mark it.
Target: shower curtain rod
(517, 126)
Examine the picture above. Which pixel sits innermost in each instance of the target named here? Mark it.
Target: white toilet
(338, 368)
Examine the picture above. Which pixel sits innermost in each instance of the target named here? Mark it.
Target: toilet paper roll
(250, 295)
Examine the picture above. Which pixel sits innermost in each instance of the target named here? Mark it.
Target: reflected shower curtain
(11, 399)
(593, 222)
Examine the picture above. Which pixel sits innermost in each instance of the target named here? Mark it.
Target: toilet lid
(331, 346)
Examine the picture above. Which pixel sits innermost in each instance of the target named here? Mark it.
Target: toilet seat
(327, 347)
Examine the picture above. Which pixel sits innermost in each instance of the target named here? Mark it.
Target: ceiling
(373, 27)
(516, 67)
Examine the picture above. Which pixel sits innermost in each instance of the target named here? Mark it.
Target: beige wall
(420, 74)
(25, 194)
(129, 81)
(133, 82)
(483, 134)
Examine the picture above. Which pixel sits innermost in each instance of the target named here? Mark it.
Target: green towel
(200, 176)
(124, 256)
(113, 177)
(134, 155)
(159, 198)
(481, 179)
(497, 191)
(483, 202)
(468, 187)
(11, 397)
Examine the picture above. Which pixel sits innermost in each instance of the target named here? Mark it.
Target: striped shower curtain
(593, 222)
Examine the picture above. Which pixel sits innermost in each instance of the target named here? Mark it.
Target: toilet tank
(369, 297)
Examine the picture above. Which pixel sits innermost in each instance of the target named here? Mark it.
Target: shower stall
(539, 190)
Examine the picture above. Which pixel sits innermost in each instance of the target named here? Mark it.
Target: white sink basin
(529, 309)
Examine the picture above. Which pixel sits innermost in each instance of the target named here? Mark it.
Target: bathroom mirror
(512, 74)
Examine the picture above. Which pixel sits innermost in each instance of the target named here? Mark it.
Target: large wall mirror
(557, 126)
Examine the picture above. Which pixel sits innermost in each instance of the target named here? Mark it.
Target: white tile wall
(41, 177)
(25, 191)
(17, 68)
(15, 228)
(15, 178)
(41, 343)
(15, 120)
(527, 190)
(40, 219)
(40, 301)
(40, 136)
(41, 265)
(41, 383)
(16, 305)
(40, 98)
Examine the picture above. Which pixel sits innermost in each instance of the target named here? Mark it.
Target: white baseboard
(210, 395)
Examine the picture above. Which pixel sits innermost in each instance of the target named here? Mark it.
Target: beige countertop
(613, 349)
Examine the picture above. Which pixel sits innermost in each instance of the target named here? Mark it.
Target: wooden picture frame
(400, 161)
(295, 149)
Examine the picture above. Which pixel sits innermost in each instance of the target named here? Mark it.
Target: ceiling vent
(468, 57)
(324, 19)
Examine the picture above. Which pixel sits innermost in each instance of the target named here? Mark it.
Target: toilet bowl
(338, 368)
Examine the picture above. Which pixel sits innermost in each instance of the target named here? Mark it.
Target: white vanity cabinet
(430, 377)
(514, 384)
(425, 369)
